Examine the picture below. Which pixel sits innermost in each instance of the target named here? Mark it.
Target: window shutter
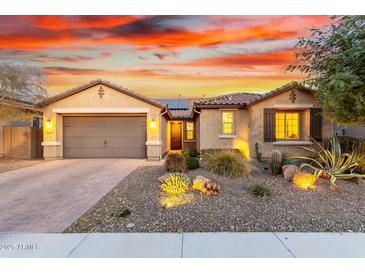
(269, 125)
(316, 122)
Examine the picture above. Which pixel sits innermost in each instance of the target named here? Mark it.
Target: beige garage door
(104, 137)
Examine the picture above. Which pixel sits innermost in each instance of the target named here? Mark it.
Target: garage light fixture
(153, 123)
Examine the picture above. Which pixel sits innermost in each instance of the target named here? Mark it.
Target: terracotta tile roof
(105, 83)
(246, 99)
(233, 99)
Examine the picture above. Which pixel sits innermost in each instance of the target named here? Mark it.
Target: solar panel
(175, 103)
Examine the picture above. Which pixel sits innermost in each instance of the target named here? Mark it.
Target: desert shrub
(227, 163)
(331, 162)
(176, 183)
(175, 162)
(172, 200)
(260, 191)
(287, 159)
(192, 162)
(360, 158)
(122, 213)
(189, 152)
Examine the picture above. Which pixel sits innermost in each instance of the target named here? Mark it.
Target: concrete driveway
(49, 197)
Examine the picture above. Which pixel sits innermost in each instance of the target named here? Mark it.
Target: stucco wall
(210, 130)
(257, 128)
(89, 101)
(164, 143)
(250, 128)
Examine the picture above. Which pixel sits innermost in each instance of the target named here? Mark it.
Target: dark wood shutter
(316, 123)
(269, 125)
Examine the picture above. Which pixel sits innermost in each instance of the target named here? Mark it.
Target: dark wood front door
(176, 136)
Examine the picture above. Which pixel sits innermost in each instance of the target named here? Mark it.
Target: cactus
(276, 162)
(258, 153)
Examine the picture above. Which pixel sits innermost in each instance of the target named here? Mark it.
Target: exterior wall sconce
(48, 124)
(153, 123)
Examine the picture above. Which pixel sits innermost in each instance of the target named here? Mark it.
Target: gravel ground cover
(235, 209)
(7, 164)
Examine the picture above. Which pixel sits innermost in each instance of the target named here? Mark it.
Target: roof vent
(230, 98)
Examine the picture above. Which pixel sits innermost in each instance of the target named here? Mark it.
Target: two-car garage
(104, 136)
(100, 119)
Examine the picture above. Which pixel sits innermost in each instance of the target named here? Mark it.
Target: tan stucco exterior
(250, 128)
(89, 102)
(211, 132)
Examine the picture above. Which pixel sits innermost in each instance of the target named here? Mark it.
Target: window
(287, 125)
(228, 122)
(189, 130)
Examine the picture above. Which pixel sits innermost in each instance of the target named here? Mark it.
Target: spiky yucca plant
(331, 162)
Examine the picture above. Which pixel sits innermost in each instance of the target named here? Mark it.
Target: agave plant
(331, 162)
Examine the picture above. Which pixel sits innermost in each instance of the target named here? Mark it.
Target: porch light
(48, 124)
(153, 123)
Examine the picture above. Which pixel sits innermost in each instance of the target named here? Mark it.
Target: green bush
(189, 153)
(175, 162)
(260, 191)
(192, 162)
(227, 163)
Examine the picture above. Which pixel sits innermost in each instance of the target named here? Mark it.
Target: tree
(333, 61)
(20, 88)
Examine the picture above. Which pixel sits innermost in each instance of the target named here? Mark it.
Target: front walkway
(49, 197)
(189, 245)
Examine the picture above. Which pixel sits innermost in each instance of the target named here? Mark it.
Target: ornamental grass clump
(227, 163)
(175, 162)
(331, 163)
(176, 183)
(260, 191)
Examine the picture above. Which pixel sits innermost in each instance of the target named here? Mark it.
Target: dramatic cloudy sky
(158, 55)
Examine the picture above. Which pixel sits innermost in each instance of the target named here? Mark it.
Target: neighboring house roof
(17, 102)
(105, 83)
(242, 99)
(179, 108)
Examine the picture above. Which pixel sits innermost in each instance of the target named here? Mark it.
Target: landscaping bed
(8, 164)
(288, 208)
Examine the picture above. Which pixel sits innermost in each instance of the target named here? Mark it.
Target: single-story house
(102, 119)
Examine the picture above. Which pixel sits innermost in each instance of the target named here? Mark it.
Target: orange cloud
(247, 60)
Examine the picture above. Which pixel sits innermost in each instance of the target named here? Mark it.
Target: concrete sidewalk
(186, 245)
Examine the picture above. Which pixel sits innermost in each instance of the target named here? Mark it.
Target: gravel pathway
(288, 208)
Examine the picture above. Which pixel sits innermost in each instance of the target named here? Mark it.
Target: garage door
(103, 137)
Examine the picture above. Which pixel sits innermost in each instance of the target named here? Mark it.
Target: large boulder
(289, 171)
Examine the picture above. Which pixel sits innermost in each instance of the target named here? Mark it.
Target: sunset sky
(158, 55)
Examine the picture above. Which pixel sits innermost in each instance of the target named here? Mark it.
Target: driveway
(49, 197)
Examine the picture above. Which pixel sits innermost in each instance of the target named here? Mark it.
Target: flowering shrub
(176, 183)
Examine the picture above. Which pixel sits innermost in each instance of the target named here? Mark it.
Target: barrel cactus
(276, 162)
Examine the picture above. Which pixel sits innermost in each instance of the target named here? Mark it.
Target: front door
(176, 135)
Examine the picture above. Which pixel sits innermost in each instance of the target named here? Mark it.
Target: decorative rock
(205, 186)
(289, 171)
(130, 225)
